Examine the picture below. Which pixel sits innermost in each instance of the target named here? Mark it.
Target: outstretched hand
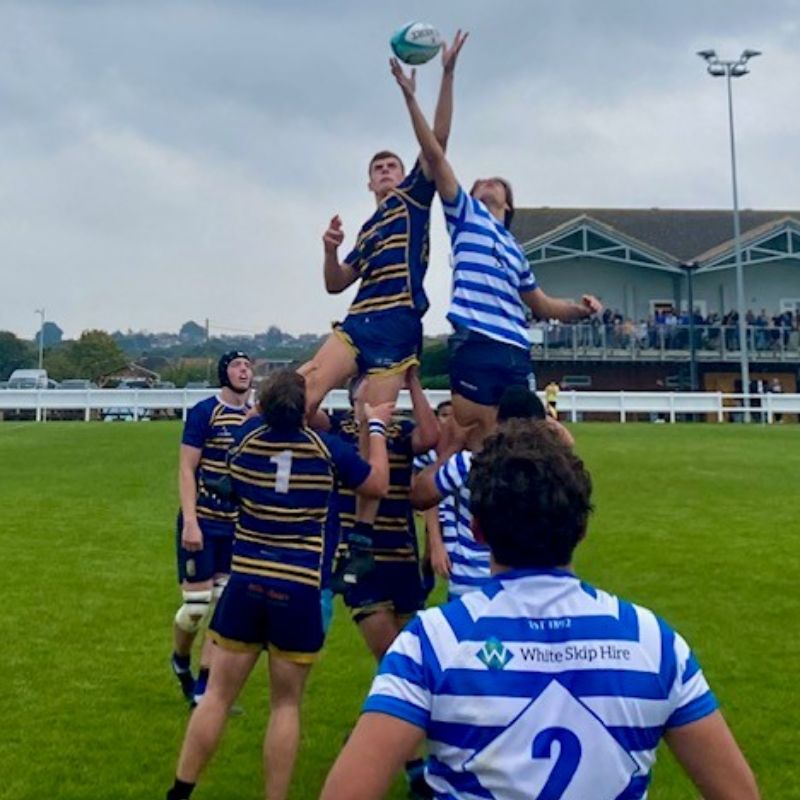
(450, 54)
(408, 83)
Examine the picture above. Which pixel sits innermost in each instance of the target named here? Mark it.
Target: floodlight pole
(718, 68)
(40, 312)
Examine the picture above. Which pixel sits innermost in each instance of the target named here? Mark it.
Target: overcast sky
(163, 161)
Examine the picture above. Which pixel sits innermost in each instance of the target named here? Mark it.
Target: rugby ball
(416, 43)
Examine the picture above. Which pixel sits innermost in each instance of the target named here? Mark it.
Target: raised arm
(337, 276)
(443, 116)
(376, 484)
(426, 429)
(432, 152)
(545, 307)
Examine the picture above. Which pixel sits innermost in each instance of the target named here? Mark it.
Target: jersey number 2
(569, 756)
(283, 462)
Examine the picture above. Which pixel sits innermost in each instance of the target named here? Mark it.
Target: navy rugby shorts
(383, 342)
(280, 616)
(197, 566)
(481, 369)
(394, 586)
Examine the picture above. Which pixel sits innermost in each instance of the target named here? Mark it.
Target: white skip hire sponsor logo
(588, 654)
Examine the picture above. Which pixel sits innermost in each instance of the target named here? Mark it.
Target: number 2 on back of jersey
(283, 462)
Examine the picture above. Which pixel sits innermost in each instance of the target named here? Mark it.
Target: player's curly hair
(282, 399)
(531, 495)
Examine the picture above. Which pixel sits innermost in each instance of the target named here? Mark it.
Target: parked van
(28, 379)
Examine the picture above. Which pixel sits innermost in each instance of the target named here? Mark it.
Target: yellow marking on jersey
(373, 280)
(219, 467)
(409, 199)
(309, 548)
(299, 450)
(275, 573)
(259, 562)
(255, 478)
(390, 215)
(304, 513)
(395, 240)
(275, 518)
(400, 300)
(212, 513)
(278, 539)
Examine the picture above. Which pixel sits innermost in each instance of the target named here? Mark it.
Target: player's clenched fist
(191, 536)
(334, 236)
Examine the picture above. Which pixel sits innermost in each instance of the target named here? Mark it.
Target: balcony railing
(628, 341)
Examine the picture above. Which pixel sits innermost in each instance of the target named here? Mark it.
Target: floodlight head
(717, 70)
(708, 55)
(748, 54)
(738, 70)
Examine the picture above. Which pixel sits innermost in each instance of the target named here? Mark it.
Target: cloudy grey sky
(165, 160)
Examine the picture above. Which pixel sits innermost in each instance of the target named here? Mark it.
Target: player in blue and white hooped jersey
(447, 480)
(439, 521)
(538, 685)
(283, 475)
(204, 529)
(493, 286)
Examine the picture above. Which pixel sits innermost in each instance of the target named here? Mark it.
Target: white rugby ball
(416, 43)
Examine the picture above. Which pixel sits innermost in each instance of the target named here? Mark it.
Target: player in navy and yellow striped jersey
(283, 475)
(206, 519)
(383, 597)
(382, 333)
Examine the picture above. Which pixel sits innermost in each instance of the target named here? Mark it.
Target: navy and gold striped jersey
(283, 482)
(394, 531)
(391, 252)
(210, 427)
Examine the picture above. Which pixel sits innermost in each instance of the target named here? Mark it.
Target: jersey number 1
(283, 462)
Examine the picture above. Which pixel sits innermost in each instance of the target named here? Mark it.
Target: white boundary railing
(139, 404)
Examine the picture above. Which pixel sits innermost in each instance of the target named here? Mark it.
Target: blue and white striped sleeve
(691, 697)
(455, 212)
(400, 688)
(424, 460)
(453, 474)
(527, 280)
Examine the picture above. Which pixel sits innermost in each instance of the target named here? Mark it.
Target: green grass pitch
(698, 522)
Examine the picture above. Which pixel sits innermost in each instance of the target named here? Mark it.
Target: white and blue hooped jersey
(469, 559)
(540, 686)
(447, 512)
(489, 273)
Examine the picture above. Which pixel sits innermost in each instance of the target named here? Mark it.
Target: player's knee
(220, 582)
(195, 607)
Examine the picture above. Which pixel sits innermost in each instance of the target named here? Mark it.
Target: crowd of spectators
(669, 329)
